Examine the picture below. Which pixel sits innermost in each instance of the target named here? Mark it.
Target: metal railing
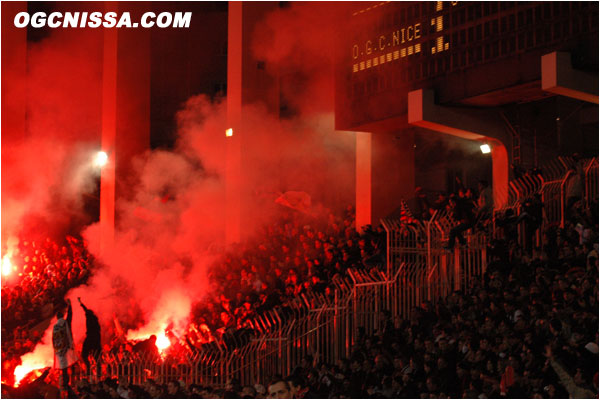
(418, 270)
(591, 182)
(553, 200)
(524, 186)
(557, 168)
(323, 327)
(552, 185)
(426, 270)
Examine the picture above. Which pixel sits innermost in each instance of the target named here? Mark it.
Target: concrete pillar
(125, 112)
(133, 97)
(558, 76)
(234, 118)
(14, 86)
(482, 125)
(109, 132)
(363, 179)
(499, 172)
(14, 71)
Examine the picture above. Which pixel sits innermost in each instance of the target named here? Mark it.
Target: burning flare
(22, 371)
(162, 341)
(41, 357)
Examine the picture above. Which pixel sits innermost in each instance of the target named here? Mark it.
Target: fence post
(457, 280)
(428, 254)
(591, 182)
(348, 330)
(336, 322)
(563, 198)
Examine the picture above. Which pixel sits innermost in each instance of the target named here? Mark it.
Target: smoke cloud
(48, 167)
(170, 227)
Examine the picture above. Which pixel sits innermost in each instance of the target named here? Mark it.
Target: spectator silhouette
(92, 343)
(62, 341)
(462, 210)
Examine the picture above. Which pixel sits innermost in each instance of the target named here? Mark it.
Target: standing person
(462, 210)
(485, 202)
(575, 186)
(62, 341)
(532, 214)
(92, 343)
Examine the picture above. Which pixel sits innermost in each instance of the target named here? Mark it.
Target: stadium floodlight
(485, 148)
(101, 159)
(6, 265)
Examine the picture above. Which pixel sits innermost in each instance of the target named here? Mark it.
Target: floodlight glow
(229, 132)
(485, 148)
(101, 159)
(6, 266)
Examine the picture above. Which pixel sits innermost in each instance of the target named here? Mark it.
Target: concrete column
(125, 112)
(14, 71)
(14, 86)
(499, 172)
(234, 118)
(363, 179)
(133, 98)
(109, 132)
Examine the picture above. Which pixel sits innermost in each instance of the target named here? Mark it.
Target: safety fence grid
(418, 269)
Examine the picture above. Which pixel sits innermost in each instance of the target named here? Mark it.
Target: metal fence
(552, 185)
(324, 327)
(524, 186)
(425, 269)
(554, 193)
(418, 269)
(591, 183)
(553, 198)
(557, 168)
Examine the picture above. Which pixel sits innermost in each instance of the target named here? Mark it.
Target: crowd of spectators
(42, 273)
(530, 329)
(296, 255)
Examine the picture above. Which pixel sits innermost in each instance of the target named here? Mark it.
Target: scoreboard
(404, 40)
(388, 48)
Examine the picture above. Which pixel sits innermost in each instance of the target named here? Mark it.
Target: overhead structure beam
(467, 123)
(559, 76)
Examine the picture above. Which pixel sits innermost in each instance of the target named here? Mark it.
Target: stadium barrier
(591, 182)
(553, 200)
(428, 271)
(557, 168)
(552, 185)
(524, 186)
(418, 270)
(325, 328)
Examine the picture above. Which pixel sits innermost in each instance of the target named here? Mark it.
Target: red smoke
(170, 227)
(44, 167)
(299, 41)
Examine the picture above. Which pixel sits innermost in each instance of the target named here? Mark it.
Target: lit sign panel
(386, 49)
(404, 41)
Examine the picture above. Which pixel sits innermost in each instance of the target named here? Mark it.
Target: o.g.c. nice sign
(402, 41)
